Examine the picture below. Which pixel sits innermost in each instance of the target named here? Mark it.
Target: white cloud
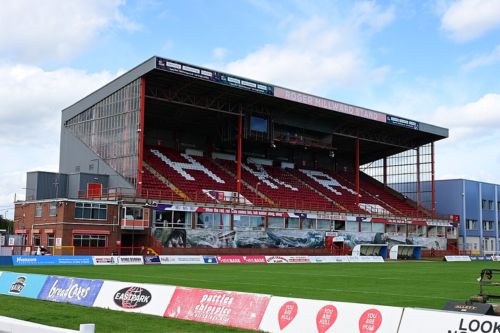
(317, 54)
(465, 20)
(219, 53)
(483, 60)
(32, 31)
(31, 101)
(473, 120)
(471, 151)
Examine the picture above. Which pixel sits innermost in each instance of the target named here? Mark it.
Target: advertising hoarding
(219, 307)
(70, 290)
(21, 284)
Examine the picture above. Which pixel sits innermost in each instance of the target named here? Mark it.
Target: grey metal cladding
(108, 89)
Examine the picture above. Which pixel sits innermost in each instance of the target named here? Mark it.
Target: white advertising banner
(288, 259)
(295, 315)
(366, 259)
(181, 260)
(130, 260)
(457, 258)
(329, 259)
(105, 260)
(430, 321)
(134, 297)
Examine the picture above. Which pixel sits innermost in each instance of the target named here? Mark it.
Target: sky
(436, 62)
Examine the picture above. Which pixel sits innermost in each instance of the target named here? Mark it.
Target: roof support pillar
(356, 168)
(238, 165)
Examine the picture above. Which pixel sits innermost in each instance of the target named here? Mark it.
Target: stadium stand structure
(185, 159)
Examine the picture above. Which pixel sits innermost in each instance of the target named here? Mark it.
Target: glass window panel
(378, 227)
(351, 226)
(366, 226)
(275, 222)
(293, 223)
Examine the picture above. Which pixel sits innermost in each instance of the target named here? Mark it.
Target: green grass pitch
(426, 284)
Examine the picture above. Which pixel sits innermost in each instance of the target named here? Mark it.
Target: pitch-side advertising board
(219, 307)
(297, 315)
(134, 297)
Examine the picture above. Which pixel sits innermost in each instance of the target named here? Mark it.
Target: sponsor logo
(131, 260)
(229, 260)
(18, 286)
(151, 260)
(287, 313)
(104, 260)
(132, 297)
(276, 260)
(26, 260)
(325, 318)
(370, 321)
(475, 325)
(74, 291)
(210, 260)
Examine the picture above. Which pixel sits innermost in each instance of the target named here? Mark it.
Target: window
(471, 224)
(213, 221)
(491, 205)
(378, 227)
(352, 226)
(324, 224)
(89, 240)
(50, 239)
(172, 219)
(91, 211)
(133, 213)
(339, 225)
(275, 222)
(53, 208)
(483, 204)
(38, 210)
(498, 205)
(308, 223)
(292, 223)
(248, 222)
(366, 226)
(36, 240)
(487, 225)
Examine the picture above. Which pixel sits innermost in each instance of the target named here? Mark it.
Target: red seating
(285, 190)
(154, 188)
(193, 174)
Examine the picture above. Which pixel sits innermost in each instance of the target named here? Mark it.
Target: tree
(6, 224)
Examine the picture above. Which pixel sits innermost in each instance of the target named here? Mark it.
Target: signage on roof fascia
(214, 76)
(329, 104)
(398, 121)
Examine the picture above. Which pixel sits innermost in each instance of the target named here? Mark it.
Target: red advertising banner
(218, 307)
(241, 260)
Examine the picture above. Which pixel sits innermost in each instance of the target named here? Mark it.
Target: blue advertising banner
(148, 260)
(210, 260)
(20, 284)
(51, 260)
(70, 290)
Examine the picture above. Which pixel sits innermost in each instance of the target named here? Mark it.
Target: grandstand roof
(382, 134)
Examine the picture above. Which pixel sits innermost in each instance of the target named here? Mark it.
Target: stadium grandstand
(182, 159)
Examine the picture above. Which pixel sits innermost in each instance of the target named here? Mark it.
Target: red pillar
(238, 167)
(418, 177)
(356, 168)
(433, 188)
(140, 144)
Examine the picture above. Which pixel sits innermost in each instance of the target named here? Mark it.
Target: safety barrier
(238, 309)
(11, 325)
(179, 259)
